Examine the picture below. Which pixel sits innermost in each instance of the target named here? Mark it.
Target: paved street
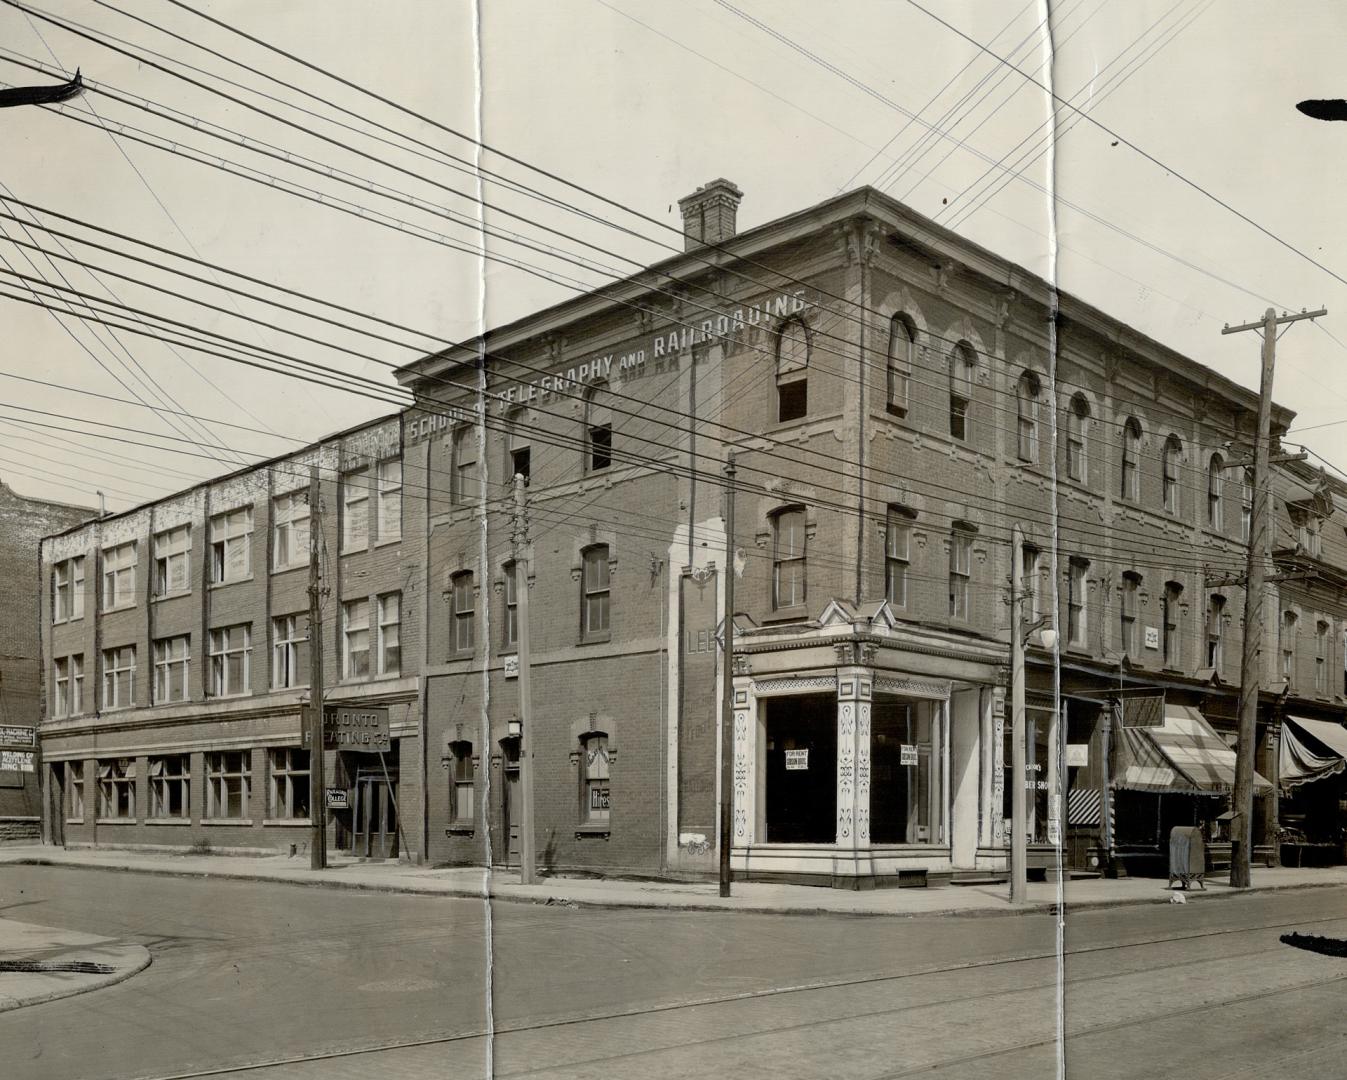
(250, 973)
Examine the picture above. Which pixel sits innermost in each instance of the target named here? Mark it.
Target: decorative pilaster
(998, 758)
(855, 689)
(745, 753)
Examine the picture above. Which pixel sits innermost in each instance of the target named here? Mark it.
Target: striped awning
(1310, 750)
(1183, 756)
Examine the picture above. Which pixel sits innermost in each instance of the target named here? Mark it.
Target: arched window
(1026, 396)
(1127, 611)
(518, 451)
(962, 364)
(1170, 614)
(1215, 470)
(462, 603)
(1288, 648)
(792, 370)
(594, 592)
(1246, 504)
(1171, 462)
(1077, 423)
(598, 428)
(465, 478)
(1131, 460)
(902, 359)
(788, 558)
(594, 790)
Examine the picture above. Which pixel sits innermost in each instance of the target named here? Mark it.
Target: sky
(1198, 196)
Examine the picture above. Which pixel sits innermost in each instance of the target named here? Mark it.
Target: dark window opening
(792, 400)
(600, 447)
(801, 764)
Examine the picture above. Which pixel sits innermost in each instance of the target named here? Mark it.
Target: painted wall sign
(16, 761)
(797, 759)
(908, 754)
(362, 730)
(338, 798)
(1152, 637)
(510, 666)
(17, 736)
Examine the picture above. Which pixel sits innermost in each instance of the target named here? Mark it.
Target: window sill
(283, 689)
(119, 607)
(288, 567)
(385, 542)
(794, 613)
(455, 657)
(74, 821)
(229, 581)
(598, 831)
(292, 822)
(245, 821)
(229, 697)
(68, 619)
(354, 550)
(460, 830)
(115, 821)
(117, 708)
(898, 412)
(595, 639)
(168, 821)
(177, 594)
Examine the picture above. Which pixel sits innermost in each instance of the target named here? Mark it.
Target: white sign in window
(797, 759)
(909, 754)
(1152, 637)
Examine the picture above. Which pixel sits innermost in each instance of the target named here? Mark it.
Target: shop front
(866, 753)
(1312, 809)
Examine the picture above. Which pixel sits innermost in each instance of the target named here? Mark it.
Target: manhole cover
(78, 967)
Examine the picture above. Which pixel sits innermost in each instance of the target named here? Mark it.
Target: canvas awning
(1310, 750)
(1182, 756)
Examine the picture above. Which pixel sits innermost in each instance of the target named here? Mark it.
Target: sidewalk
(42, 963)
(582, 892)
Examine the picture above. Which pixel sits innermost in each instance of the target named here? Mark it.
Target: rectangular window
(960, 572)
(1029, 581)
(1169, 614)
(1245, 506)
(170, 785)
(390, 652)
(355, 639)
(461, 781)
(897, 557)
(600, 447)
(521, 457)
(465, 466)
(1215, 626)
(74, 786)
(290, 530)
(289, 651)
(228, 784)
(788, 559)
(68, 589)
(1075, 602)
(594, 804)
(117, 789)
(289, 793)
(231, 650)
(594, 617)
(231, 545)
(173, 561)
(1128, 614)
(462, 601)
(119, 576)
(355, 510)
(172, 657)
(68, 698)
(119, 677)
(1321, 658)
(511, 633)
(390, 500)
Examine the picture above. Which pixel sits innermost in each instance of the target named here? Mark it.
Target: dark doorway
(801, 795)
(901, 763)
(374, 814)
(513, 800)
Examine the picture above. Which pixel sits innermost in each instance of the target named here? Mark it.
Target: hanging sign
(797, 759)
(908, 754)
(1077, 754)
(338, 798)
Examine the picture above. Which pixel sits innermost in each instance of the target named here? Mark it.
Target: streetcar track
(501, 1030)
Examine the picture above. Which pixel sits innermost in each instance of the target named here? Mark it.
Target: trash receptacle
(1187, 856)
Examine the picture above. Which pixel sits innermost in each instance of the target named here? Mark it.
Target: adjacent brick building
(23, 523)
(178, 650)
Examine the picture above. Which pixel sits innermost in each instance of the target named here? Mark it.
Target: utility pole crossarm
(1277, 321)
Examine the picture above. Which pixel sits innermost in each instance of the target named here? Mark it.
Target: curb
(1049, 907)
(9, 1004)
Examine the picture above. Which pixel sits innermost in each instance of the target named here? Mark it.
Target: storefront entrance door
(374, 816)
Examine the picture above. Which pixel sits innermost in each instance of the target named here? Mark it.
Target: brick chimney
(709, 213)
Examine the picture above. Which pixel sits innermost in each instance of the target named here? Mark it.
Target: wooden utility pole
(527, 862)
(727, 688)
(317, 779)
(1019, 840)
(1250, 673)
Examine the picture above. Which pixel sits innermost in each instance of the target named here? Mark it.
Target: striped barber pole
(1083, 806)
